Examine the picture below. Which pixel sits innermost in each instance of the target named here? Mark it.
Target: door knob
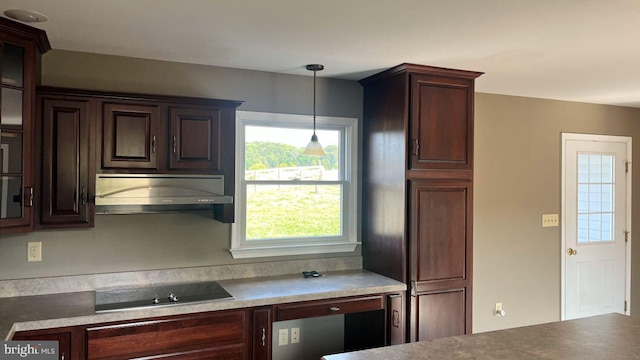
(571, 251)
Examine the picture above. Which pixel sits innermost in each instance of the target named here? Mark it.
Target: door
(596, 225)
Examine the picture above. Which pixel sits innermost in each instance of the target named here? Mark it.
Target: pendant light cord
(314, 102)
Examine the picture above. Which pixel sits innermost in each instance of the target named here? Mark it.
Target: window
(287, 203)
(595, 197)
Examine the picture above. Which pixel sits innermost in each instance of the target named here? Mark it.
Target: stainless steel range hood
(152, 193)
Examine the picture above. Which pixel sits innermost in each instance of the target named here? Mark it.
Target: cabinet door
(439, 314)
(441, 127)
(440, 258)
(17, 70)
(195, 140)
(63, 339)
(262, 334)
(68, 169)
(130, 137)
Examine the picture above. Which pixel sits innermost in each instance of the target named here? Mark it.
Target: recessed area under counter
(73, 309)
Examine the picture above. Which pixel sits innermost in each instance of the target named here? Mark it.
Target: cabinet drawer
(231, 352)
(166, 336)
(329, 307)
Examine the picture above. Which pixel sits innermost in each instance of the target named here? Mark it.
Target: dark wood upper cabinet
(67, 161)
(85, 132)
(130, 135)
(417, 192)
(195, 139)
(143, 133)
(441, 127)
(21, 47)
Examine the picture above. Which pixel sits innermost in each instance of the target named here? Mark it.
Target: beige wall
(140, 242)
(517, 179)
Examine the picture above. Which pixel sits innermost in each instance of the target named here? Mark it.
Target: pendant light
(314, 147)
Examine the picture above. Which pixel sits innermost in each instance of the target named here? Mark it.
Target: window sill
(306, 249)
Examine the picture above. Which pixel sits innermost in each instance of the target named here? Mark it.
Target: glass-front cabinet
(20, 49)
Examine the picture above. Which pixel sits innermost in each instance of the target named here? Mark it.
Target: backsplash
(62, 284)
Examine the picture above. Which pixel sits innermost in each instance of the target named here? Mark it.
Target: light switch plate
(549, 220)
(283, 337)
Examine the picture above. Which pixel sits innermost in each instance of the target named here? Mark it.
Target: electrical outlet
(283, 337)
(295, 335)
(34, 251)
(549, 220)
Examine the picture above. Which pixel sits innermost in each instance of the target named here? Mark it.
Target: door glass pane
(12, 64)
(11, 107)
(10, 153)
(10, 197)
(595, 198)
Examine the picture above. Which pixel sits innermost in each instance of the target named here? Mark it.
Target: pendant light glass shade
(314, 147)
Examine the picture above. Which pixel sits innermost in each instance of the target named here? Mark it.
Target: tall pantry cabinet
(417, 192)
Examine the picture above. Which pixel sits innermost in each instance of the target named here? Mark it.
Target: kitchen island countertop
(610, 337)
(77, 308)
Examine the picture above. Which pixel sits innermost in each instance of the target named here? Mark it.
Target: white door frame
(603, 138)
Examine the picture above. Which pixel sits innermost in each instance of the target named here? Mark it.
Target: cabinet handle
(28, 194)
(62, 357)
(82, 196)
(416, 147)
(153, 144)
(334, 308)
(263, 339)
(174, 144)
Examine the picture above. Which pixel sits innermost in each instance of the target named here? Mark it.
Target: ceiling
(578, 50)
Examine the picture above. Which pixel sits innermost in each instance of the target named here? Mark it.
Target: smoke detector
(26, 16)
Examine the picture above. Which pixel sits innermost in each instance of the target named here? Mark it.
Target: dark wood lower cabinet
(230, 352)
(70, 340)
(262, 320)
(241, 334)
(217, 332)
(441, 252)
(439, 314)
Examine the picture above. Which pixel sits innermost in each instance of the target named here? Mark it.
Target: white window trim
(240, 248)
